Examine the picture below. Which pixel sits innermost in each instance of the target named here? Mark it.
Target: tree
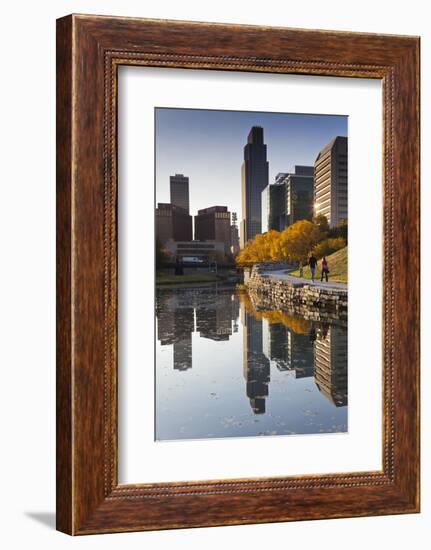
(298, 239)
(328, 246)
(322, 222)
(162, 256)
(293, 244)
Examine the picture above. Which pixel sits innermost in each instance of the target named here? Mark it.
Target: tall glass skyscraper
(254, 180)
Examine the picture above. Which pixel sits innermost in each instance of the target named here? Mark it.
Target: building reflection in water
(330, 364)
(216, 312)
(213, 312)
(175, 325)
(321, 352)
(256, 366)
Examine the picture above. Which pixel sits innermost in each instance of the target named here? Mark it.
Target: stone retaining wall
(265, 266)
(310, 301)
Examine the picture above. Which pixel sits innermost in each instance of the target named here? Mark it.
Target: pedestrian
(325, 269)
(312, 262)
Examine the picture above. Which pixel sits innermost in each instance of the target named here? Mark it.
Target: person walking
(325, 269)
(312, 262)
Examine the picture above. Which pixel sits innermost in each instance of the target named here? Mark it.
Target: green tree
(328, 246)
(322, 222)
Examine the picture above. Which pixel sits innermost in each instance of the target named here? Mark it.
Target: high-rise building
(289, 199)
(299, 194)
(254, 181)
(234, 235)
(213, 224)
(179, 187)
(172, 223)
(274, 207)
(330, 181)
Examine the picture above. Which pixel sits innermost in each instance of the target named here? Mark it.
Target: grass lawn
(168, 279)
(337, 264)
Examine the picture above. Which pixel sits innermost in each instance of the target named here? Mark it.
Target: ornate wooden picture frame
(89, 51)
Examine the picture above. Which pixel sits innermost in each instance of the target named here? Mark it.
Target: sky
(208, 147)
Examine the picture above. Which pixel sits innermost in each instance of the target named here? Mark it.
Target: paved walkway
(284, 276)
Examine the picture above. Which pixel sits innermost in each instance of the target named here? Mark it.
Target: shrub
(328, 246)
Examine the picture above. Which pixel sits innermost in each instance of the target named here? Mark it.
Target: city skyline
(243, 348)
(217, 140)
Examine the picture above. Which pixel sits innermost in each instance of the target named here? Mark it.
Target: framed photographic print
(237, 274)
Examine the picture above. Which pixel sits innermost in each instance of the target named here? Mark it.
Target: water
(226, 369)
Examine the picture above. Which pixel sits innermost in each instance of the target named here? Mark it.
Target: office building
(179, 187)
(289, 199)
(299, 194)
(202, 250)
(330, 181)
(213, 224)
(234, 235)
(254, 181)
(274, 207)
(172, 223)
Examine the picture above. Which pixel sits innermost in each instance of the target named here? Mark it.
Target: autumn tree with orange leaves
(293, 244)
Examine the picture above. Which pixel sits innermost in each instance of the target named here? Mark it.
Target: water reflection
(255, 364)
(294, 371)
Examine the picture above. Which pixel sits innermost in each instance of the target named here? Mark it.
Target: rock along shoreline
(271, 287)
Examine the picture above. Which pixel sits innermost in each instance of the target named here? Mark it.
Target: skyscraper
(274, 206)
(289, 199)
(234, 235)
(179, 187)
(213, 224)
(254, 181)
(330, 181)
(299, 195)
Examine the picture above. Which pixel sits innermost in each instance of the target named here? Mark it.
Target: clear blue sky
(208, 147)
